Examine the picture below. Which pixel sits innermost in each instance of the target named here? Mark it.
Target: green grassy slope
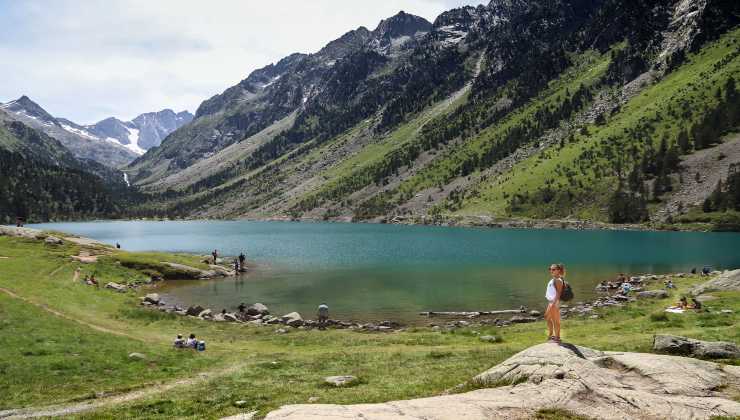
(585, 167)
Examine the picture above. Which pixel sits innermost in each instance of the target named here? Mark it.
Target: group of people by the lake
(239, 261)
(190, 343)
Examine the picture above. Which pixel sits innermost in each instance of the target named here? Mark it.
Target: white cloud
(93, 59)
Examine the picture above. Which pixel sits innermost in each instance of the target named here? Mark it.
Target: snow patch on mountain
(133, 138)
(81, 133)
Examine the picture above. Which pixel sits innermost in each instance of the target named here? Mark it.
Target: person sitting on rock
(626, 287)
(669, 284)
(192, 342)
(179, 342)
(323, 314)
(242, 307)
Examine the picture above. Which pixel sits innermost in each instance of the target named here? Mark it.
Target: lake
(376, 272)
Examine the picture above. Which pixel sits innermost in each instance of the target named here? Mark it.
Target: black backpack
(567, 293)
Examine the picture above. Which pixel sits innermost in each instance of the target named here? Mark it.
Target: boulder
(116, 286)
(206, 313)
(340, 381)
(490, 339)
(257, 309)
(221, 271)
(534, 313)
(53, 240)
(137, 356)
(194, 310)
(292, 319)
(187, 271)
(652, 294)
(153, 298)
(683, 346)
(585, 382)
(727, 281)
(231, 317)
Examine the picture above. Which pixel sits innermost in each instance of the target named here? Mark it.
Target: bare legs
(552, 317)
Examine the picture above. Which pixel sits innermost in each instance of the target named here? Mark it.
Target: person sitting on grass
(179, 342)
(626, 287)
(192, 342)
(669, 285)
(695, 304)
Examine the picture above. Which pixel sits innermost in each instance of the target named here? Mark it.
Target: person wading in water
(554, 290)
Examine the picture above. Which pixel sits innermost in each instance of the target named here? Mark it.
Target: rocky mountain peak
(24, 106)
(401, 24)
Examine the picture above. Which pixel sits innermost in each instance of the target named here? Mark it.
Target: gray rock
(53, 240)
(137, 356)
(727, 281)
(490, 339)
(689, 347)
(116, 286)
(340, 381)
(153, 298)
(241, 403)
(534, 313)
(293, 319)
(281, 331)
(231, 317)
(206, 313)
(194, 310)
(257, 309)
(652, 294)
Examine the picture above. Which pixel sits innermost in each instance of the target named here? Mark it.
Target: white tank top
(551, 292)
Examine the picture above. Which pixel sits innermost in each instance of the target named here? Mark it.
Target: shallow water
(374, 272)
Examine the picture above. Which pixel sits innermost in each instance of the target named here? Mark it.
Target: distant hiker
(118, 245)
(179, 342)
(242, 258)
(706, 270)
(236, 265)
(669, 285)
(223, 311)
(215, 255)
(242, 307)
(191, 342)
(323, 313)
(200, 346)
(554, 290)
(693, 270)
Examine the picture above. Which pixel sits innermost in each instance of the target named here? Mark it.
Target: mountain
(111, 142)
(143, 132)
(42, 180)
(566, 109)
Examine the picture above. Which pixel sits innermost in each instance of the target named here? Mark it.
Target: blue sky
(90, 59)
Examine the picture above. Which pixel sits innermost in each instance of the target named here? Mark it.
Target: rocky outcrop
(727, 281)
(293, 319)
(689, 347)
(192, 272)
(586, 382)
(257, 309)
(20, 232)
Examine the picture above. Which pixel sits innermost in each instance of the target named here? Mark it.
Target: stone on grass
(115, 286)
(53, 240)
(490, 338)
(195, 310)
(257, 309)
(340, 381)
(231, 317)
(652, 294)
(137, 356)
(684, 346)
(727, 281)
(153, 298)
(292, 319)
(520, 319)
(206, 313)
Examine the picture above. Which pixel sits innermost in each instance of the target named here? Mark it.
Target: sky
(91, 59)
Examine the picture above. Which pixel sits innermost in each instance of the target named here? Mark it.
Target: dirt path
(105, 402)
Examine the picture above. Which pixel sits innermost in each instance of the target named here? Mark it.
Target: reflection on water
(366, 271)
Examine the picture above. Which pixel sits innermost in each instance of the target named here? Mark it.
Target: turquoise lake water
(376, 272)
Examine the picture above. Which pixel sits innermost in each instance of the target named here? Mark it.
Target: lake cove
(375, 272)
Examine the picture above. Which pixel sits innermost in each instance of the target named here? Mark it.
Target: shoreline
(486, 222)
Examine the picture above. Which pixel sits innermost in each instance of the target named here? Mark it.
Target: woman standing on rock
(554, 290)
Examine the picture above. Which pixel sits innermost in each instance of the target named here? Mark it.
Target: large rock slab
(727, 281)
(587, 382)
(293, 319)
(20, 232)
(652, 294)
(191, 272)
(258, 309)
(689, 347)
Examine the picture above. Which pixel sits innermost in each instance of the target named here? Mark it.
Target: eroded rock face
(590, 383)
